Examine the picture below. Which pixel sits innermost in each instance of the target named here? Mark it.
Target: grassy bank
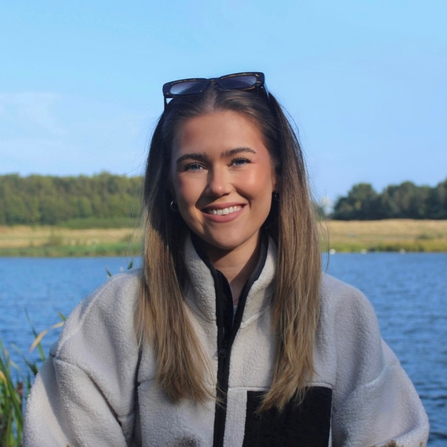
(385, 235)
(342, 236)
(46, 241)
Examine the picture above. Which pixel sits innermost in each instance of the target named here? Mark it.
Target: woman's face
(222, 179)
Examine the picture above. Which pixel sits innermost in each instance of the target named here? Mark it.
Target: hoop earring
(174, 207)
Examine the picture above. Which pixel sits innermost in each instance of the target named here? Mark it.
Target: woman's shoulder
(336, 293)
(344, 303)
(117, 292)
(105, 317)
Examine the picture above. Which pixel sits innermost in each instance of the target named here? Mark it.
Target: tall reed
(14, 389)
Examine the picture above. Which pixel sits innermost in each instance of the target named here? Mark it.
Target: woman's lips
(223, 213)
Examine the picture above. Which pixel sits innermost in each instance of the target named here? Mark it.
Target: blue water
(409, 295)
(408, 292)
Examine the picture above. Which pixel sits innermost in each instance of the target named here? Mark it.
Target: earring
(276, 196)
(174, 207)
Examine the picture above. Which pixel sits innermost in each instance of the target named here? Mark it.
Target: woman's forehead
(223, 129)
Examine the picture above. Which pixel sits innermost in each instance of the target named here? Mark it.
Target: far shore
(49, 241)
(399, 235)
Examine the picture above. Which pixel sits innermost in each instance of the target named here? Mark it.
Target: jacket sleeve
(375, 403)
(84, 394)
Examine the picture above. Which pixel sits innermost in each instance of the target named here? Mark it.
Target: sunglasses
(238, 81)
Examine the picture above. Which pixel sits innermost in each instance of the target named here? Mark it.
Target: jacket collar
(200, 291)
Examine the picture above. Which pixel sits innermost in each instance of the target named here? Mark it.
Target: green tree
(437, 201)
(404, 201)
(360, 204)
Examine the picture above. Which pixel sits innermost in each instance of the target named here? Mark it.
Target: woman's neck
(236, 265)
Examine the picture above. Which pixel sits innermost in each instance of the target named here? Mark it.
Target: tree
(360, 204)
(437, 201)
(406, 201)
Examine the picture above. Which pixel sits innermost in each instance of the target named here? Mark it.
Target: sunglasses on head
(237, 81)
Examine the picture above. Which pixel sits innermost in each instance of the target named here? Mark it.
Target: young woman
(230, 335)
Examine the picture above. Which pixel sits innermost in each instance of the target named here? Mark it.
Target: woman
(230, 335)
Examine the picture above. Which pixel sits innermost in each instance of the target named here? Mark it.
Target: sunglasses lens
(238, 82)
(188, 87)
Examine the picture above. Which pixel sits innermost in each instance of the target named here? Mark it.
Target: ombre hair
(161, 316)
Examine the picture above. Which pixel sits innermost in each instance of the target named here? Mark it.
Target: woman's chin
(223, 245)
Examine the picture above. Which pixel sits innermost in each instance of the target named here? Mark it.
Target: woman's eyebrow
(201, 156)
(237, 150)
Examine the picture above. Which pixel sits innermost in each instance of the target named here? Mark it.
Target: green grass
(11, 402)
(14, 391)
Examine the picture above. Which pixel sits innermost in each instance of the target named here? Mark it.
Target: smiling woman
(223, 180)
(230, 335)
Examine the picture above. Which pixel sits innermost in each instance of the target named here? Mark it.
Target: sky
(364, 81)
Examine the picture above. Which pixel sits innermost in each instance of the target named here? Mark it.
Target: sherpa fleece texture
(97, 389)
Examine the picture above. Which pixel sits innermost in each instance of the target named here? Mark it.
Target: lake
(408, 292)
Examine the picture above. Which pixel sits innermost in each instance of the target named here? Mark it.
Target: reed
(14, 389)
(11, 402)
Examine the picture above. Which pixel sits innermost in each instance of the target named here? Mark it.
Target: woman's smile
(223, 211)
(223, 179)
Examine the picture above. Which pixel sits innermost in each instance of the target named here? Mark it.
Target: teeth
(225, 211)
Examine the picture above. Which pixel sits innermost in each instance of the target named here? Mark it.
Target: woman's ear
(276, 180)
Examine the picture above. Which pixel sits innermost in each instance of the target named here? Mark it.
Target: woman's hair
(161, 316)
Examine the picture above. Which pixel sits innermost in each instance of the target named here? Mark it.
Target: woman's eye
(193, 167)
(240, 161)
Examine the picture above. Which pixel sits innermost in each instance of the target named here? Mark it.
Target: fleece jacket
(97, 387)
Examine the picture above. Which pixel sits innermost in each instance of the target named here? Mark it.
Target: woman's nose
(218, 183)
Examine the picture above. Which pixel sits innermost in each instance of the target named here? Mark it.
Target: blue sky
(365, 81)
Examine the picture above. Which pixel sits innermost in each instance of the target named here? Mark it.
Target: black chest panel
(307, 425)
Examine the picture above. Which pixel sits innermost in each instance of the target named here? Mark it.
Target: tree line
(404, 201)
(51, 200)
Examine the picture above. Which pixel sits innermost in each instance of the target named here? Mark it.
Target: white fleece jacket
(97, 389)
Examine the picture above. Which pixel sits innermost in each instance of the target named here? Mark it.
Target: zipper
(227, 328)
(225, 336)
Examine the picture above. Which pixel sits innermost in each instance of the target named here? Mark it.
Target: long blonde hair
(161, 317)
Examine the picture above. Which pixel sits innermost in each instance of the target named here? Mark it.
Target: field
(385, 235)
(350, 236)
(56, 241)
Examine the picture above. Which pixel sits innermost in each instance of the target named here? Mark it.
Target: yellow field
(381, 235)
(24, 236)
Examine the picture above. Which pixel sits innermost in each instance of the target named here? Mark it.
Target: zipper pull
(222, 353)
